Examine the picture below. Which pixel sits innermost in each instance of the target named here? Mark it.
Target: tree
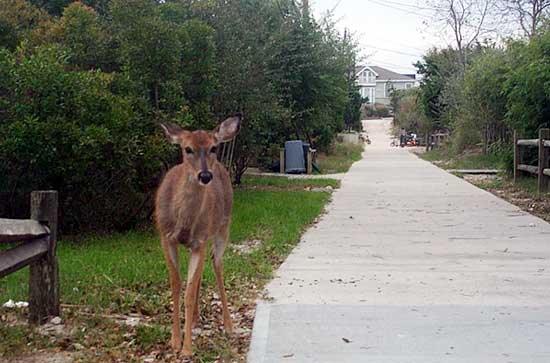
(86, 38)
(56, 7)
(19, 20)
(311, 71)
(484, 109)
(151, 51)
(244, 82)
(528, 85)
(528, 13)
(467, 20)
(65, 130)
(439, 70)
(87, 83)
(408, 114)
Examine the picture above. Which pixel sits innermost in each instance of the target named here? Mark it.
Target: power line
(408, 5)
(391, 50)
(375, 62)
(400, 9)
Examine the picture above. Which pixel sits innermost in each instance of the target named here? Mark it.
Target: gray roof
(384, 74)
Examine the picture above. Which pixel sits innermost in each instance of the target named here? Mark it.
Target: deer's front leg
(171, 256)
(196, 264)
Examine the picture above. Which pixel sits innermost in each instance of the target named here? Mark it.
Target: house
(376, 84)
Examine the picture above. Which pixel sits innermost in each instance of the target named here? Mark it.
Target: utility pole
(305, 9)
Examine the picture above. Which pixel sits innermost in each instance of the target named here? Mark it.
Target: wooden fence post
(544, 134)
(44, 273)
(517, 156)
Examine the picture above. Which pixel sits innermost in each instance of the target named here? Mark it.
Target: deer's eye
(189, 151)
(213, 150)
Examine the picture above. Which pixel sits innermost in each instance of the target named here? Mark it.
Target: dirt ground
(519, 195)
(61, 357)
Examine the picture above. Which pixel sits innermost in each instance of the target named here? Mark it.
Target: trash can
(294, 157)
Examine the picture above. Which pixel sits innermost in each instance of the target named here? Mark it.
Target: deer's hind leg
(171, 255)
(217, 261)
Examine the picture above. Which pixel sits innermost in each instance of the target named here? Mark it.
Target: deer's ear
(172, 132)
(228, 129)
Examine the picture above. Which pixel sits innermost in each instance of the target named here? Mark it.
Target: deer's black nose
(205, 177)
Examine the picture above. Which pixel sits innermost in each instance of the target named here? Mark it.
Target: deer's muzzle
(205, 177)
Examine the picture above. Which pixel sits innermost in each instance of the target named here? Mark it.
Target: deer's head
(199, 147)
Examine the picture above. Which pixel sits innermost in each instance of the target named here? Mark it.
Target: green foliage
(19, 20)
(353, 116)
(84, 84)
(484, 108)
(500, 89)
(407, 113)
(311, 64)
(85, 37)
(151, 51)
(528, 86)
(379, 111)
(65, 130)
(438, 69)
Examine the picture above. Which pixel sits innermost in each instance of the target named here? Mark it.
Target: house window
(408, 85)
(367, 77)
(371, 78)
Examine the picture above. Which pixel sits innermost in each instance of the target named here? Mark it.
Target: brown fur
(191, 213)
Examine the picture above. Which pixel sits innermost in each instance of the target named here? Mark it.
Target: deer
(193, 205)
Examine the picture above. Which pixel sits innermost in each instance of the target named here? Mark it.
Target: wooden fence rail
(542, 169)
(36, 247)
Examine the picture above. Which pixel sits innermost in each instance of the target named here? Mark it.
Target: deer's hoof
(228, 326)
(176, 344)
(186, 353)
(196, 319)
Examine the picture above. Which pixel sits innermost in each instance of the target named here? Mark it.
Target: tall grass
(340, 159)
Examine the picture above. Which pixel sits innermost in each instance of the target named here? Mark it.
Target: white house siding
(376, 83)
(384, 89)
(368, 92)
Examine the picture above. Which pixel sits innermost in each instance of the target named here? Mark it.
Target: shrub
(65, 130)
(379, 111)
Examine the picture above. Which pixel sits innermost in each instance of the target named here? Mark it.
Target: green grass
(15, 339)
(446, 160)
(126, 273)
(341, 159)
(284, 182)
(121, 268)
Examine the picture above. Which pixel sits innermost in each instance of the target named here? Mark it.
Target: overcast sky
(391, 33)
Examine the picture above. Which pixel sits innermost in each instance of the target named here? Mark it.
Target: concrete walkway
(410, 264)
